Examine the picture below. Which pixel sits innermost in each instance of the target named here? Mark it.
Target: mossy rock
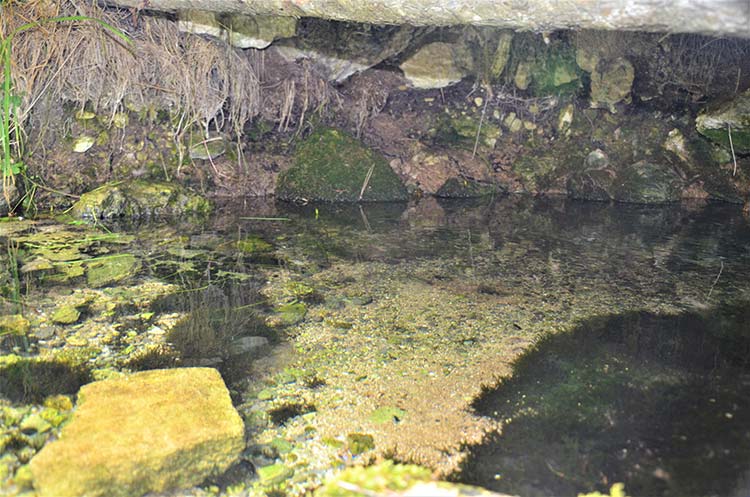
(331, 166)
(466, 188)
(111, 269)
(648, 183)
(359, 443)
(65, 314)
(151, 431)
(536, 173)
(383, 478)
(732, 117)
(139, 199)
(254, 245)
(292, 313)
(555, 74)
(274, 474)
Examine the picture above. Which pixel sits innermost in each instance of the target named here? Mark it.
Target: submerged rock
(731, 119)
(147, 432)
(106, 270)
(331, 166)
(648, 183)
(139, 199)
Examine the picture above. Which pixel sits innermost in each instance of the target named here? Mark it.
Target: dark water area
(638, 368)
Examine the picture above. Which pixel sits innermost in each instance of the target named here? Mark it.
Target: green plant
(11, 162)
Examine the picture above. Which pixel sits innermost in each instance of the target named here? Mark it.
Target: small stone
(387, 415)
(209, 148)
(37, 264)
(35, 423)
(522, 79)
(65, 314)
(274, 474)
(433, 66)
(246, 345)
(731, 118)
(83, 143)
(84, 115)
(565, 119)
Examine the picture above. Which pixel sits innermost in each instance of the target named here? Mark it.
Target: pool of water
(537, 347)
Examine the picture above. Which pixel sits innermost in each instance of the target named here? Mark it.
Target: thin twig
(367, 181)
(731, 146)
(479, 128)
(716, 280)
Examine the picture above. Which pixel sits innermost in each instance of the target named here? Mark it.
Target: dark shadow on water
(221, 329)
(33, 379)
(661, 403)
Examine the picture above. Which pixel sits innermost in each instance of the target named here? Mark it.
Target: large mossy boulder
(731, 119)
(648, 183)
(139, 199)
(331, 166)
(147, 432)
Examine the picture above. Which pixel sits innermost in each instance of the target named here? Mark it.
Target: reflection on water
(640, 372)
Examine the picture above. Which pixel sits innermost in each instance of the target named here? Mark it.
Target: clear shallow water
(639, 371)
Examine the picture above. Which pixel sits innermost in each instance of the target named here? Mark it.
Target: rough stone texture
(595, 181)
(339, 50)
(611, 82)
(429, 169)
(331, 166)
(433, 66)
(139, 200)
(242, 31)
(648, 183)
(726, 17)
(147, 432)
(733, 116)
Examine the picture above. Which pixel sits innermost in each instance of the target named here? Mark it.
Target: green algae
(387, 415)
(139, 199)
(14, 324)
(359, 443)
(65, 314)
(254, 245)
(332, 166)
(274, 474)
(384, 477)
(107, 270)
(292, 313)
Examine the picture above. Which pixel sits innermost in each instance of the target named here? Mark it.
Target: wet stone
(146, 432)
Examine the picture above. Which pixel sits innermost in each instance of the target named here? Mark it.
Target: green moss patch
(331, 166)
